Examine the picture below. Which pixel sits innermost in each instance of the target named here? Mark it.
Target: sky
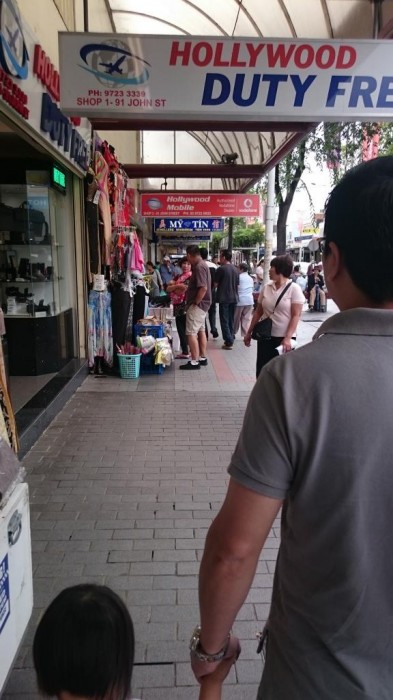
(319, 185)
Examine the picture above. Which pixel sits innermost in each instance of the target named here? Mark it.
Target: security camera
(229, 158)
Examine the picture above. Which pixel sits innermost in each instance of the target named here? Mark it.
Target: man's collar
(360, 321)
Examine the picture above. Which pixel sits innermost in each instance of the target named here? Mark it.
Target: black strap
(281, 295)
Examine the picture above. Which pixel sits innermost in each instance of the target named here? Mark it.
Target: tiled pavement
(123, 485)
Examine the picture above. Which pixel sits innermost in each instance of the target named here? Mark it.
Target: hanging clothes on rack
(122, 304)
(127, 253)
(140, 301)
(99, 327)
(94, 247)
(137, 262)
(101, 170)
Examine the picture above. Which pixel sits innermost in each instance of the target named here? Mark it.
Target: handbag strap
(281, 296)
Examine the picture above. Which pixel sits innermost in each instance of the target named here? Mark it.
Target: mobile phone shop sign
(226, 78)
(199, 205)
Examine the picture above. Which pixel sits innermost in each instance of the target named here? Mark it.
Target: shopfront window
(37, 281)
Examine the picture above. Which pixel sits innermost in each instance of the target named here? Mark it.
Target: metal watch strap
(196, 649)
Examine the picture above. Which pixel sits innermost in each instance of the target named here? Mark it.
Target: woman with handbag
(279, 305)
(177, 289)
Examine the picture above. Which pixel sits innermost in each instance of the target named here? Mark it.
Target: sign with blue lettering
(188, 229)
(5, 608)
(225, 77)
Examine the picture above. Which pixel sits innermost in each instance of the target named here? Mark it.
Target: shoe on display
(189, 365)
(182, 356)
(203, 362)
(227, 347)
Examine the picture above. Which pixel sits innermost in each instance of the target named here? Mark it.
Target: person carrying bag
(277, 313)
(263, 329)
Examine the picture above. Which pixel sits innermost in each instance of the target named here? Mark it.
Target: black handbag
(263, 329)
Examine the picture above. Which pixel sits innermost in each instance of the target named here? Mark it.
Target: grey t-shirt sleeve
(202, 276)
(261, 460)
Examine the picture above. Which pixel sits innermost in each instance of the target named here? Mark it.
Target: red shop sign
(199, 204)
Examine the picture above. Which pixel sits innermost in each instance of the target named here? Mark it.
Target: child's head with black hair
(84, 645)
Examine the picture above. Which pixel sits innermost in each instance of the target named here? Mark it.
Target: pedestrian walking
(328, 467)
(213, 306)
(166, 270)
(281, 300)
(226, 283)
(243, 311)
(198, 301)
(177, 290)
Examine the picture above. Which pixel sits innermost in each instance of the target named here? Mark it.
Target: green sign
(59, 179)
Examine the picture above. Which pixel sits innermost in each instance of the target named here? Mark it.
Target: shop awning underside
(262, 144)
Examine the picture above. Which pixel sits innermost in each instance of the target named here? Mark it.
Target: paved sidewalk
(124, 484)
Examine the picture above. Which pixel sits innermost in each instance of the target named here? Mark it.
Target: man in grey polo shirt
(329, 635)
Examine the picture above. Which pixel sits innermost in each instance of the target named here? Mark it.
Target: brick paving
(123, 487)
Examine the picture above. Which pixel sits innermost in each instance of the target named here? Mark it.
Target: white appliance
(16, 581)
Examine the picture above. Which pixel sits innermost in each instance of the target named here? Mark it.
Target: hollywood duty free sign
(227, 78)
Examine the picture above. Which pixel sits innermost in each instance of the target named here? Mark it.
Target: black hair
(296, 268)
(204, 253)
(84, 644)
(243, 266)
(283, 265)
(359, 219)
(226, 254)
(193, 250)
(149, 262)
(183, 260)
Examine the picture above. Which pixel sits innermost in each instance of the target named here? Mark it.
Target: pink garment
(137, 262)
(179, 297)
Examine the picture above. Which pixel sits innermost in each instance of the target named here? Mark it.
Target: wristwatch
(197, 650)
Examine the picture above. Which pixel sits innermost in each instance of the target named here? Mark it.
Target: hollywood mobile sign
(199, 205)
(227, 78)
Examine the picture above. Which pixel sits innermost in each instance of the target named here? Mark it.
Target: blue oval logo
(113, 64)
(154, 203)
(14, 58)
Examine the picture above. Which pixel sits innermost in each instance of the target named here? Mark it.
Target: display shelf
(30, 281)
(29, 245)
(37, 276)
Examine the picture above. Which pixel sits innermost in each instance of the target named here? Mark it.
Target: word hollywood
(265, 88)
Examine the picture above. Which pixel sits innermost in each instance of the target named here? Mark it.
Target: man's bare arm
(232, 550)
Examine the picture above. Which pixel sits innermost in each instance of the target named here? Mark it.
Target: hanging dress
(99, 327)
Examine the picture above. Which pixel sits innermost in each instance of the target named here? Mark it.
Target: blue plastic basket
(155, 331)
(148, 365)
(130, 366)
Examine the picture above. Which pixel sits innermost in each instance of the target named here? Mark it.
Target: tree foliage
(248, 236)
(338, 146)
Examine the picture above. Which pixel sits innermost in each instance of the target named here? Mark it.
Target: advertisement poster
(199, 205)
(252, 79)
